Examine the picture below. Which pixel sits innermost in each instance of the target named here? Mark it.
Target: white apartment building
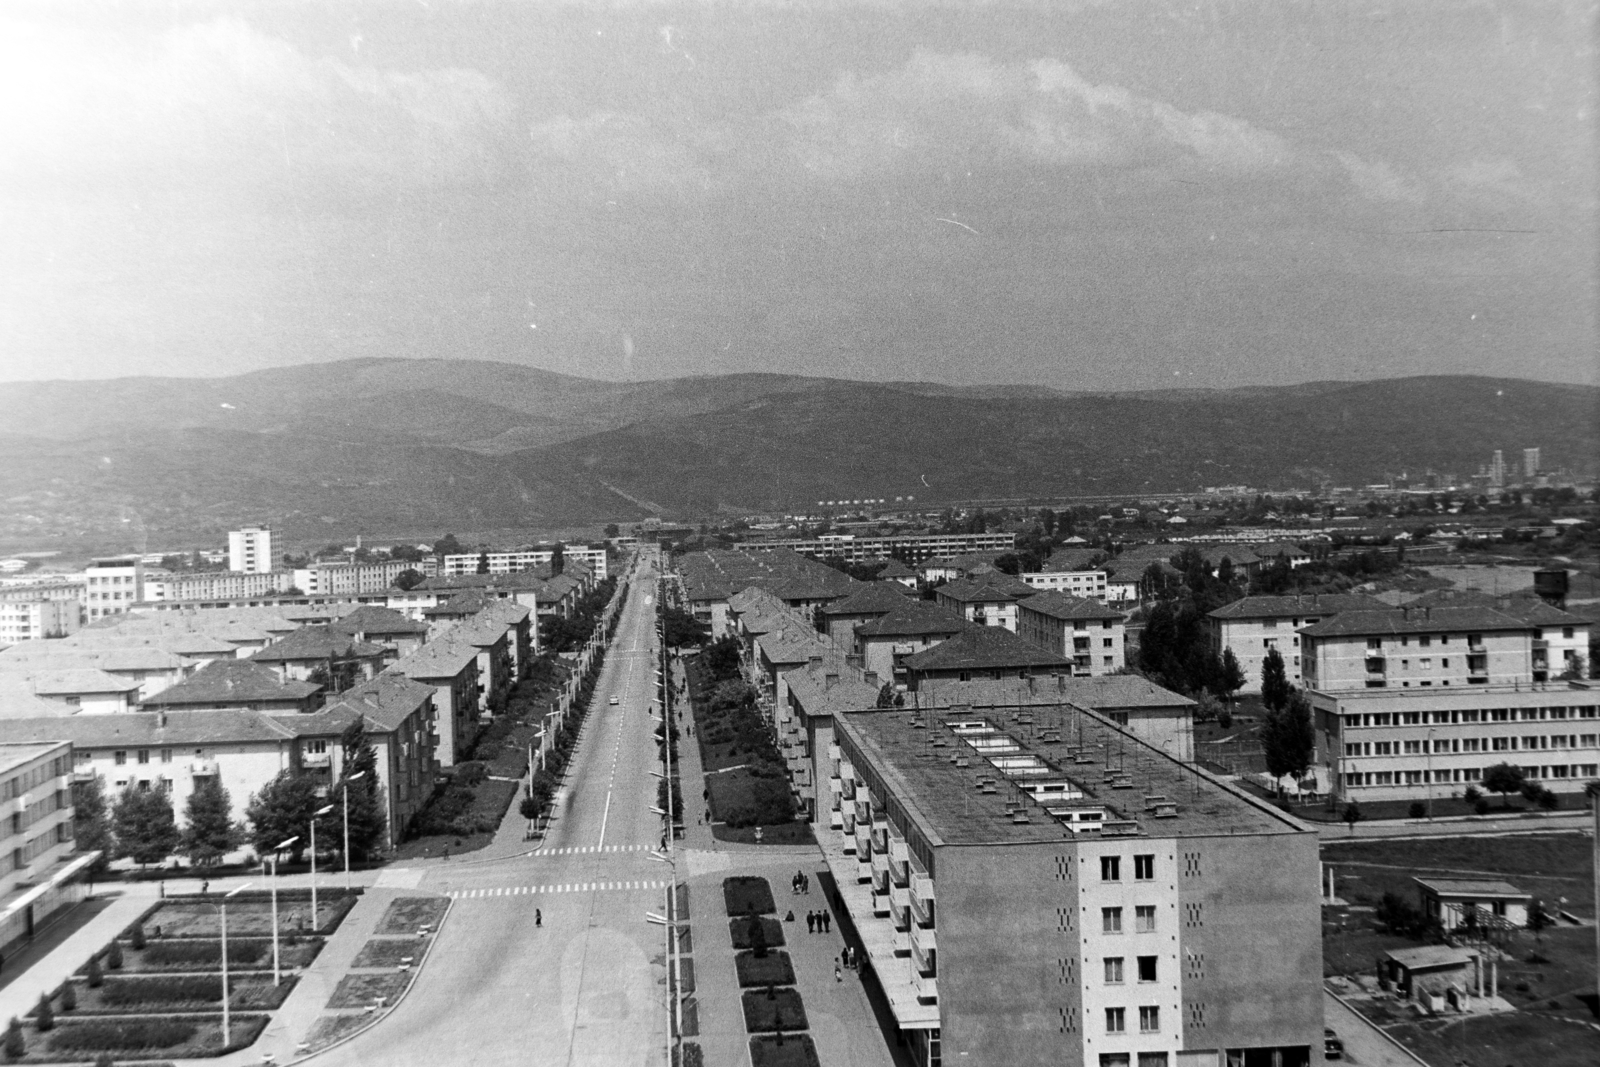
(250, 550)
(355, 579)
(1419, 703)
(40, 876)
(1084, 630)
(32, 620)
(1073, 583)
(220, 585)
(112, 586)
(525, 559)
(1255, 625)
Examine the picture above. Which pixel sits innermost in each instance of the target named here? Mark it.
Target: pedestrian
(838, 975)
(205, 886)
(805, 884)
(827, 920)
(538, 918)
(811, 922)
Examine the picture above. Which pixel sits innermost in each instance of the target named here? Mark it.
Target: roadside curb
(377, 1017)
(1380, 1030)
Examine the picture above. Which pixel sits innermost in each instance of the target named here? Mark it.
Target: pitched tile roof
(1300, 606)
(65, 681)
(872, 599)
(895, 569)
(982, 648)
(232, 681)
(1400, 621)
(914, 618)
(989, 588)
(1527, 607)
(811, 691)
(317, 642)
(373, 619)
(1062, 606)
(443, 658)
(385, 703)
(152, 729)
(54, 654)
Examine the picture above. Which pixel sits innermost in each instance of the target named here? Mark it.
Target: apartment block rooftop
(1038, 774)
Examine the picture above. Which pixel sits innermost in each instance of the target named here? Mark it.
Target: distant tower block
(1530, 462)
(1497, 468)
(250, 550)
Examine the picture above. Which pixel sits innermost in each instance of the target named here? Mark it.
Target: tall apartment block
(1411, 704)
(1040, 887)
(250, 550)
(1530, 463)
(33, 620)
(40, 875)
(112, 585)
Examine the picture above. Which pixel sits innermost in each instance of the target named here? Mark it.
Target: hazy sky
(1085, 195)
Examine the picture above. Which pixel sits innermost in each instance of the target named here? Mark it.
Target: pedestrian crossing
(591, 848)
(569, 887)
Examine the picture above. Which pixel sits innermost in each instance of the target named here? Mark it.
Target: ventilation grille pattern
(1191, 864)
(1193, 915)
(1064, 920)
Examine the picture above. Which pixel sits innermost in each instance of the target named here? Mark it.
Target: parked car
(1332, 1047)
(615, 701)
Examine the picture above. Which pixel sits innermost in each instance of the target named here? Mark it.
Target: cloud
(222, 101)
(947, 109)
(1377, 180)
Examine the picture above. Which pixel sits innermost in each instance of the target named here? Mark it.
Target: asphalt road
(588, 986)
(1364, 1044)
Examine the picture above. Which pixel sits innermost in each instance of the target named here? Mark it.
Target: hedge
(208, 953)
(176, 989)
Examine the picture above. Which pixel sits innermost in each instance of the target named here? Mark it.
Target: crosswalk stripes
(591, 848)
(568, 887)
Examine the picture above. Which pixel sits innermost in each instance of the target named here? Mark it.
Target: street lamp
(277, 970)
(1430, 775)
(222, 912)
(674, 968)
(319, 813)
(346, 792)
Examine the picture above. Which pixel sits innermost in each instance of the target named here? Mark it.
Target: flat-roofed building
(40, 873)
(1087, 583)
(1058, 892)
(38, 619)
(1085, 630)
(1481, 902)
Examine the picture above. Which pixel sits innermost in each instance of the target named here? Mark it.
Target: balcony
(902, 935)
(880, 872)
(926, 985)
(204, 768)
(924, 941)
(315, 759)
(900, 902)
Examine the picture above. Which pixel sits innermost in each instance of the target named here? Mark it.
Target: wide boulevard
(587, 986)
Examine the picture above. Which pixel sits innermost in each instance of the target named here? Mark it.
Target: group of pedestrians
(847, 958)
(800, 883)
(818, 922)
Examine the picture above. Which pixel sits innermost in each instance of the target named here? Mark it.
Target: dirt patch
(390, 952)
(407, 915)
(363, 990)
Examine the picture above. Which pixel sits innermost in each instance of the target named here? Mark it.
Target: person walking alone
(811, 922)
(538, 918)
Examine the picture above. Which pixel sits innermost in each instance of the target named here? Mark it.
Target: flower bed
(178, 1037)
(201, 955)
(173, 993)
(362, 990)
(742, 929)
(773, 969)
(747, 895)
(773, 1009)
(783, 1050)
(390, 952)
(247, 915)
(406, 915)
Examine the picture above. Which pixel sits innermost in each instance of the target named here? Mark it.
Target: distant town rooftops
(373, 619)
(987, 589)
(982, 648)
(1062, 606)
(317, 643)
(174, 728)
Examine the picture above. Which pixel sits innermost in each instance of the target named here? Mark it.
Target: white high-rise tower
(250, 550)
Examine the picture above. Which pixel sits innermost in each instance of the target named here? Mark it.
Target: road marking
(566, 887)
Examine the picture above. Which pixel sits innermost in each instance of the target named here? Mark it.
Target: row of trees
(141, 824)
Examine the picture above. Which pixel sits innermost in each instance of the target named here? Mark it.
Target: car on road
(614, 701)
(1332, 1047)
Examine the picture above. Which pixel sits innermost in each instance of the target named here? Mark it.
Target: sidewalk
(21, 994)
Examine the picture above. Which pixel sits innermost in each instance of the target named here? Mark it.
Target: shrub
(104, 1060)
(69, 995)
(130, 1035)
(114, 956)
(1472, 794)
(1418, 809)
(748, 895)
(15, 1046)
(95, 975)
(136, 939)
(1549, 801)
(205, 953)
(45, 1017)
(743, 931)
(1481, 806)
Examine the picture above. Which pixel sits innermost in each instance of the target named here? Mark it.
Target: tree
(529, 809)
(612, 530)
(683, 629)
(368, 821)
(94, 976)
(1230, 676)
(558, 559)
(69, 996)
(1287, 738)
(90, 827)
(1505, 779)
(114, 956)
(1275, 686)
(1538, 919)
(145, 827)
(1352, 815)
(449, 546)
(15, 1046)
(209, 833)
(45, 1017)
(409, 579)
(281, 810)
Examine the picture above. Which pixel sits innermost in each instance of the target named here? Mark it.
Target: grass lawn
(332, 1028)
(783, 833)
(407, 915)
(740, 930)
(765, 1009)
(1550, 866)
(775, 969)
(1521, 1037)
(747, 895)
(491, 800)
(182, 917)
(80, 1040)
(166, 995)
(389, 952)
(191, 955)
(360, 990)
(795, 1051)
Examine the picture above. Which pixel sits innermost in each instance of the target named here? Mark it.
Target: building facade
(1256, 625)
(40, 875)
(34, 620)
(1084, 630)
(1074, 583)
(250, 550)
(112, 586)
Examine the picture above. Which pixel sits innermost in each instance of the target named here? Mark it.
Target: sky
(1120, 195)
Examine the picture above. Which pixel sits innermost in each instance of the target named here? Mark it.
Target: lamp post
(319, 813)
(222, 913)
(346, 792)
(674, 968)
(277, 970)
(1430, 775)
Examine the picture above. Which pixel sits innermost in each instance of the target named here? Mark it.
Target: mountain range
(395, 446)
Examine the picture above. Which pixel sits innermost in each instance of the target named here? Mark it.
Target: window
(1116, 1018)
(1110, 868)
(1147, 968)
(166, 755)
(144, 755)
(1144, 868)
(1113, 970)
(1144, 918)
(1114, 1059)
(119, 757)
(1111, 920)
(1107, 643)
(1149, 1019)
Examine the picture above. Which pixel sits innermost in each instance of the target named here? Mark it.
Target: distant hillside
(419, 444)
